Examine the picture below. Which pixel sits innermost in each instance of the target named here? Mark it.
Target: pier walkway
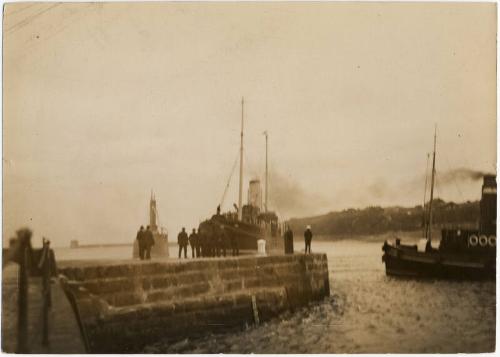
(64, 333)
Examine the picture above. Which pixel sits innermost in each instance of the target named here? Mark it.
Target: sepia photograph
(249, 177)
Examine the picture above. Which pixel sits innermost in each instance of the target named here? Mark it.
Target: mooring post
(22, 300)
(45, 266)
(255, 311)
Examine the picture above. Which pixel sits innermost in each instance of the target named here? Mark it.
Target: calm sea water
(366, 312)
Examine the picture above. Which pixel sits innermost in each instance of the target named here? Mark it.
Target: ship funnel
(255, 194)
(488, 206)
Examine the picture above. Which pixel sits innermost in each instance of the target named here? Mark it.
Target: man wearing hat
(182, 241)
(141, 242)
(308, 238)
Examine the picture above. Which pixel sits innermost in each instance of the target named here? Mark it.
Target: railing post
(22, 318)
(45, 267)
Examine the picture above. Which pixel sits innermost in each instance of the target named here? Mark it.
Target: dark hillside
(377, 220)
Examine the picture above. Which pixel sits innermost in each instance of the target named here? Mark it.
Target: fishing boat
(463, 254)
(250, 222)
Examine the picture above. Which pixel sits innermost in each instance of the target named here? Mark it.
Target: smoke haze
(291, 199)
(460, 175)
(105, 101)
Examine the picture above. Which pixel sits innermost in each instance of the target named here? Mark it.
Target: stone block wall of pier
(124, 306)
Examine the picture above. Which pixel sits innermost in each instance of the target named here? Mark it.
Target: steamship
(463, 254)
(250, 222)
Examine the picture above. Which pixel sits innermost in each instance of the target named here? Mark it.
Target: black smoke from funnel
(460, 174)
(289, 198)
(380, 189)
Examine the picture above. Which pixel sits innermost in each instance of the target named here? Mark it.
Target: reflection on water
(367, 312)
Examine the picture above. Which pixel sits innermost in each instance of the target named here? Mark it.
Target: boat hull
(245, 235)
(406, 261)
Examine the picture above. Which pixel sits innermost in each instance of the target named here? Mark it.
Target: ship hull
(245, 238)
(244, 235)
(406, 261)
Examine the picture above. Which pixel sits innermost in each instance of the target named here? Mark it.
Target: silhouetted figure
(308, 238)
(288, 241)
(211, 242)
(205, 249)
(235, 250)
(182, 240)
(428, 246)
(223, 240)
(141, 242)
(218, 210)
(17, 247)
(218, 243)
(193, 242)
(201, 243)
(197, 246)
(149, 242)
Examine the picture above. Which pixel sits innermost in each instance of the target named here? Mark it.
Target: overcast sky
(104, 102)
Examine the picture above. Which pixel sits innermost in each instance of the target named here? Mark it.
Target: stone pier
(124, 306)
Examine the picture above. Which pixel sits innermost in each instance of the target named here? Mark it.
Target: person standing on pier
(193, 242)
(202, 244)
(140, 242)
(211, 243)
(288, 241)
(149, 242)
(219, 240)
(197, 245)
(308, 238)
(234, 245)
(223, 240)
(182, 241)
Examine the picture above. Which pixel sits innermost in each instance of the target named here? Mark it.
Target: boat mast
(432, 187)
(424, 220)
(265, 201)
(240, 196)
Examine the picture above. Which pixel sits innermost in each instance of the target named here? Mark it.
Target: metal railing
(32, 263)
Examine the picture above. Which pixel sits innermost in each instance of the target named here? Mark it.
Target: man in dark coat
(288, 241)
(308, 238)
(140, 241)
(149, 242)
(223, 240)
(193, 242)
(201, 244)
(198, 245)
(211, 243)
(182, 241)
(234, 245)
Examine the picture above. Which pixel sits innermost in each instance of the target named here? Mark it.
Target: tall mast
(424, 220)
(265, 201)
(240, 196)
(432, 186)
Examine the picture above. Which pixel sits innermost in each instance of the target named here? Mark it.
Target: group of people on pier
(205, 246)
(146, 241)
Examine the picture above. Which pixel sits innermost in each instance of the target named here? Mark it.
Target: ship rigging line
(425, 195)
(229, 180)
